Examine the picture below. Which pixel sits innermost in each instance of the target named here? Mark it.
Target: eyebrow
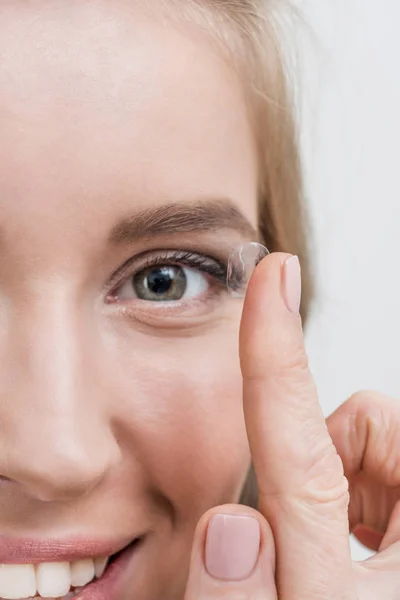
(179, 217)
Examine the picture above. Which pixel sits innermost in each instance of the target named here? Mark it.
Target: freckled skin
(112, 424)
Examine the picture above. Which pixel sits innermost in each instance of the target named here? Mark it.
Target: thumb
(233, 556)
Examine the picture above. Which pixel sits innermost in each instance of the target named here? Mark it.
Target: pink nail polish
(291, 284)
(232, 547)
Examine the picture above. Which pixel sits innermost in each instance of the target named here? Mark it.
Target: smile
(62, 579)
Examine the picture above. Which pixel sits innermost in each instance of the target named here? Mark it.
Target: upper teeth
(50, 580)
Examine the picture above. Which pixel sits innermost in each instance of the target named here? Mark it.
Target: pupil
(160, 280)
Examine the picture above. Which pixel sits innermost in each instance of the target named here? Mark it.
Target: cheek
(182, 417)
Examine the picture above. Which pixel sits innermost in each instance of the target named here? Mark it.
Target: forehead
(102, 100)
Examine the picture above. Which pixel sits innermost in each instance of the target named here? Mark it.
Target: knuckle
(290, 366)
(366, 403)
(293, 360)
(281, 359)
(324, 480)
(336, 494)
(378, 416)
(319, 484)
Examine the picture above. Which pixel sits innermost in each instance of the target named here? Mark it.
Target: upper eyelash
(201, 262)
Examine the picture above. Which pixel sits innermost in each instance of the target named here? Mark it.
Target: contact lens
(241, 265)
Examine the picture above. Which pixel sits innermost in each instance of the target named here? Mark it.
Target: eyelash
(201, 262)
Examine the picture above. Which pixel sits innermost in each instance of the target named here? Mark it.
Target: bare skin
(122, 417)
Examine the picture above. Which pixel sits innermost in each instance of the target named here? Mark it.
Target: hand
(297, 546)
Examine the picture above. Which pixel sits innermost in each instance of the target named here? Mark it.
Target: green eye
(163, 283)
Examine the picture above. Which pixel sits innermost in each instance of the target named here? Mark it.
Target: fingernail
(232, 547)
(291, 284)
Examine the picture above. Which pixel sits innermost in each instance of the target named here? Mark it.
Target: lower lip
(106, 587)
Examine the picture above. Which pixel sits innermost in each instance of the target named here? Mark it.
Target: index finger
(302, 489)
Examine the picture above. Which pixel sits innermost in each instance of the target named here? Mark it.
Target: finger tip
(263, 292)
(268, 271)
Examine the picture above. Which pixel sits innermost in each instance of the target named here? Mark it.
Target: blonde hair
(253, 32)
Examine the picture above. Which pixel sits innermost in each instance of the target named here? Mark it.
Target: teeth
(53, 579)
(82, 571)
(17, 581)
(100, 565)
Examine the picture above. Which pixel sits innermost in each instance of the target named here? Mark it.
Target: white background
(350, 134)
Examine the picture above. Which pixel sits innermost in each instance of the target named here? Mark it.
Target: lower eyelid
(137, 306)
(192, 313)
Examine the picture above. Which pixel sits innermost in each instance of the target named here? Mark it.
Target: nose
(56, 442)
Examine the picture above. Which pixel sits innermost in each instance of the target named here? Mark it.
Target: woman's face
(127, 173)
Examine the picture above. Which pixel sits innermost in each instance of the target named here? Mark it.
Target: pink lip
(106, 588)
(27, 551)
